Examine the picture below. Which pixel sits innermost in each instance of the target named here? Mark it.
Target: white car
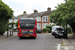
(53, 29)
(58, 31)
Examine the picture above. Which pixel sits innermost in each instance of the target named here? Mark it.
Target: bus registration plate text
(26, 35)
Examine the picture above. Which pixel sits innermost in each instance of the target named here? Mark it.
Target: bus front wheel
(34, 37)
(20, 37)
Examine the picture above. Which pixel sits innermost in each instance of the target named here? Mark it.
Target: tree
(64, 14)
(12, 23)
(5, 14)
(16, 24)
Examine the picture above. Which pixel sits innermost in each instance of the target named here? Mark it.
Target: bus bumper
(23, 35)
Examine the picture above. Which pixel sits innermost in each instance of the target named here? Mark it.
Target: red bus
(27, 27)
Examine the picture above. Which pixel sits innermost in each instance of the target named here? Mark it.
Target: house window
(38, 18)
(39, 25)
(44, 25)
(15, 20)
(14, 26)
(10, 20)
(9, 25)
(45, 18)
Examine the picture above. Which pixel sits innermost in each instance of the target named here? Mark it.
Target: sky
(19, 6)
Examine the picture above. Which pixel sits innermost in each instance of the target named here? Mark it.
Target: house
(42, 17)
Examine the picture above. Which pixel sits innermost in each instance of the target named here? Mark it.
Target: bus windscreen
(27, 24)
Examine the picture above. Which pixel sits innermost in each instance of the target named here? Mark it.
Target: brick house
(42, 17)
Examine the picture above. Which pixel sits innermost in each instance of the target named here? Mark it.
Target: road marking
(66, 48)
(58, 46)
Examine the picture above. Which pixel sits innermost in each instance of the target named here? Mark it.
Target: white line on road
(58, 46)
(66, 48)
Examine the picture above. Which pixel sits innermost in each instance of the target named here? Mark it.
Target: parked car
(58, 32)
(53, 29)
(39, 30)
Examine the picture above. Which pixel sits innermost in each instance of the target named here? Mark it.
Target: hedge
(46, 29)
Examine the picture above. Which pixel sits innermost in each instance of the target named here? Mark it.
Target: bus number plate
(26, 35)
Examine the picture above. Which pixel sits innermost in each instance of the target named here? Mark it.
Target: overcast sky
(29, 5)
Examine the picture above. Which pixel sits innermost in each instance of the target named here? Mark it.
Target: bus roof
(27, 18)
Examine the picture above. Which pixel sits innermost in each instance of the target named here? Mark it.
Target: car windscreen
(27, 24)
(59, 29)
(54, 28)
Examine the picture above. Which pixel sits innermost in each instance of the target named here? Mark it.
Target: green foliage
(65, 13)
(10, 28)
(49, 27)
(5, 14)
(16, 24)
(69, 30)
(3, 26)
(11, 23)
(5, 11)
(46, 29)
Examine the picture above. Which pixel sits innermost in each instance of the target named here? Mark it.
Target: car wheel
(53, 34)
(65, 36)
(56, 36)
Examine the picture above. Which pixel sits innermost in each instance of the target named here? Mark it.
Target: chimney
(24, 12)
(35, 11)
(48, 9)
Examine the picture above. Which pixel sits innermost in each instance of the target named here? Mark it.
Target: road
(42, 42)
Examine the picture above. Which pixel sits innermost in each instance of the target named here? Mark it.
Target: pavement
(69, 43)
(4, 36)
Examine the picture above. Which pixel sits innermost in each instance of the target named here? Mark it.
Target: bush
(46, 29)
(10, 28)
(69, 30)
(12, 23)
(50, 27)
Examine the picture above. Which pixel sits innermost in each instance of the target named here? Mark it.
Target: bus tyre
(34, 37)
(20, 37)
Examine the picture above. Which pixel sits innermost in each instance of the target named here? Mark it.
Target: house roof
(44, 13)
(47, 13)
(35, 14)
(24, 16)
